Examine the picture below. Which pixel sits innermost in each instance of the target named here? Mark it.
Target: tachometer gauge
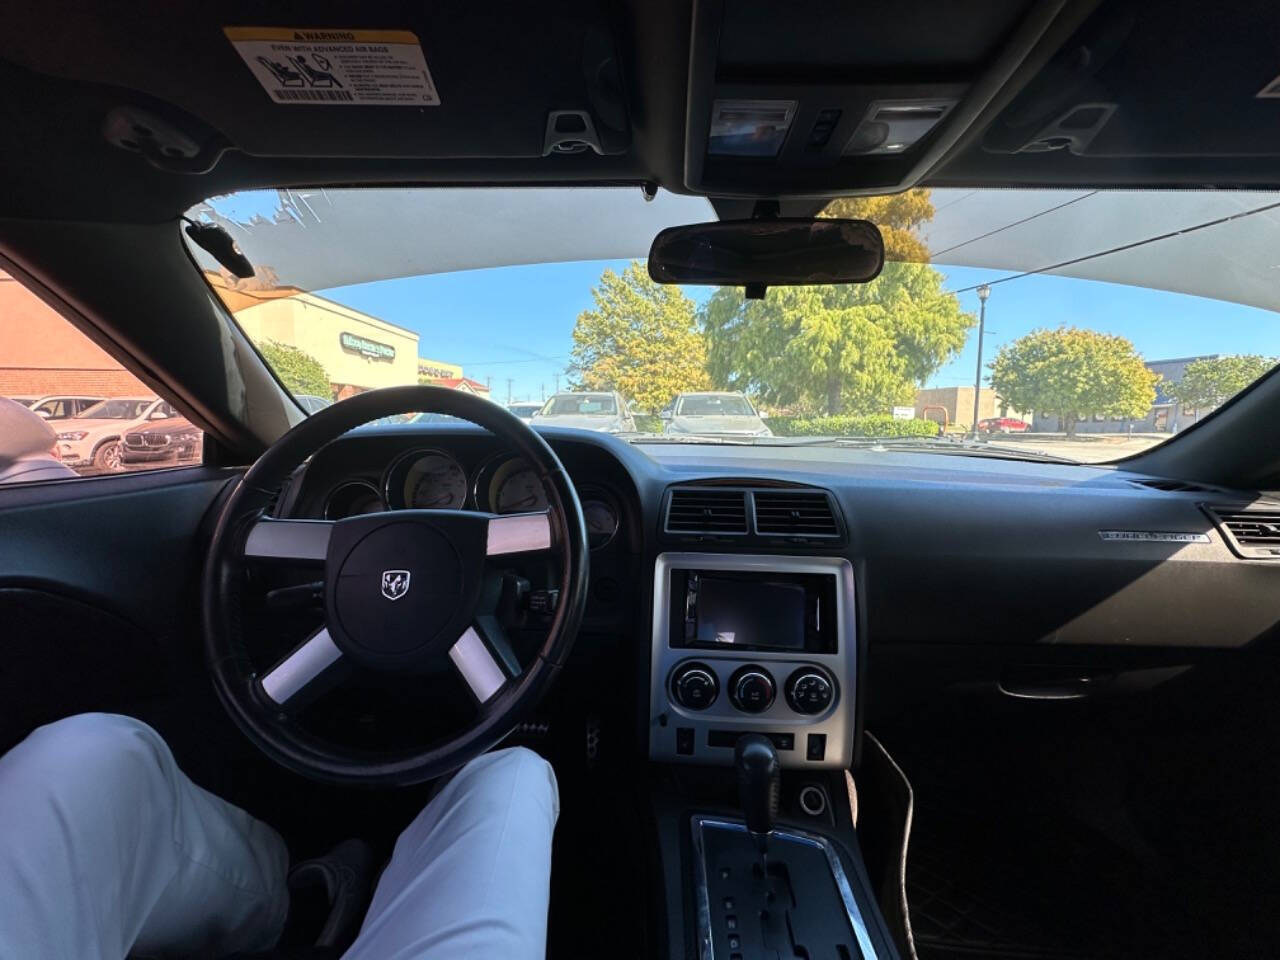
(517, 489)
(435, 481)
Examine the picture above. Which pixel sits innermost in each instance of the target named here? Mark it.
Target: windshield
(1076, 325)
(713, 406)
(579, 405)
(118, 409)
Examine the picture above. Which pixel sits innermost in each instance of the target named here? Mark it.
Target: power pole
(488, 383)
(544, 393)
(984, 291)
(557, 383)
(509, 379)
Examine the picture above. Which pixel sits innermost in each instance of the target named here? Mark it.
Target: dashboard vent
(795, 513)
(693, 510)
(1253, 533)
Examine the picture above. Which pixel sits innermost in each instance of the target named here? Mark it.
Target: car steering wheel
(402, 592)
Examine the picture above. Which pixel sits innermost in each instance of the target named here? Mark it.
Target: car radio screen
(750, 613)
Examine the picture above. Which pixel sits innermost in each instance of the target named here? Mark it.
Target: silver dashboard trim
(706, 935)
(836, 722)
(1153, 536)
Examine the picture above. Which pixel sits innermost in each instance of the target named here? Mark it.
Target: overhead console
(753, 644)
(839, 97)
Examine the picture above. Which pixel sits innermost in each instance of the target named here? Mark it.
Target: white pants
(106, 848)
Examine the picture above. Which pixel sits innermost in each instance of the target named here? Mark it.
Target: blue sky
(517, 322)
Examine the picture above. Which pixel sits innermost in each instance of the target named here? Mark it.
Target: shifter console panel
(796, 901)
(753, 644)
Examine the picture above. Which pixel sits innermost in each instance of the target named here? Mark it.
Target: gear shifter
(759, 782)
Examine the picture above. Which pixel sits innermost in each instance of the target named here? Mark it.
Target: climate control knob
(694, 686)
(810, 690)
(752, 689)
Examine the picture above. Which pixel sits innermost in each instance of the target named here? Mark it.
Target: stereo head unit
(753, 610)
(748, 643)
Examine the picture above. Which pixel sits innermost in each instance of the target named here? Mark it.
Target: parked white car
(93, 438)
(601, 412)
(715, 414)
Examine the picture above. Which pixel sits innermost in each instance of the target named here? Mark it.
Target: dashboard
(996, 577)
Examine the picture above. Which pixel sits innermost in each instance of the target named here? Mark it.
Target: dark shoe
(330, 894)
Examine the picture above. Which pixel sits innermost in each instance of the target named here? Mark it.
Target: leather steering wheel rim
(240, 688)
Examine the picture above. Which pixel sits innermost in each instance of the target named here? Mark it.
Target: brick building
(41, 353)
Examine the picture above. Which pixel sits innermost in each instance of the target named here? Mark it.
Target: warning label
(337, 67)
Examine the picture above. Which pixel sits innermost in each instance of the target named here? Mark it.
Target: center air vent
(798, 513)
(1253, 533)
(700, 510)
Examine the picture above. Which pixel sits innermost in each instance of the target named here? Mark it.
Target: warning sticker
(336, 67)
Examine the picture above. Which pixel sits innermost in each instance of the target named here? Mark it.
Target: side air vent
(795, 513)
(1252, 533)
(707, 511)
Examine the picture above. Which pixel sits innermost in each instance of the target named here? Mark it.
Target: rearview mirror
(768, 253)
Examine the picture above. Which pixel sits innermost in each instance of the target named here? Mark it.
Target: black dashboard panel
(949, 549)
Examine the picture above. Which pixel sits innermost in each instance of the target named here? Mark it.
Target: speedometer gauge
(517, 489)
(435, 481)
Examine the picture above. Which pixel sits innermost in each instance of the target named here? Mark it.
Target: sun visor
(368, 81)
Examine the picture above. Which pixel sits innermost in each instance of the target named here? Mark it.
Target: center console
(753, 644)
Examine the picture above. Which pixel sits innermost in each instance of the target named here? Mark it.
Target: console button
(752, 689)
(810, 690)
(694, 686)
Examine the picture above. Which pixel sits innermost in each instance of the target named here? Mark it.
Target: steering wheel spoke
(299, 541)
(303, 671)
(519, 533)
(484, 659)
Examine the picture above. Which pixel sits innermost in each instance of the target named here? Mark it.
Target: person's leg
(106, 847)
(470, 877)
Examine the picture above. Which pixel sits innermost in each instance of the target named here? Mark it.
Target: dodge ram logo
(395, 583)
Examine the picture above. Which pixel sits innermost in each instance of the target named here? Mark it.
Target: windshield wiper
(952, 447)
(691, 438)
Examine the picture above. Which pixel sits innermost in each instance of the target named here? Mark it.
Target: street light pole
(984, 291)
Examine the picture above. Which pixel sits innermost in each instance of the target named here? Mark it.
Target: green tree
(898, 215)
(640, 338)
(1074, 372)
(1211, 382)
(298, 370)
(842, 348)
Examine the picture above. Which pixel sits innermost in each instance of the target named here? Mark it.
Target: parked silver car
(714, 415)
(524, 410)
(601, 412)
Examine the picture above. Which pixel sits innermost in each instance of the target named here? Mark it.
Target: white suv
(93, 438)
(57, 406)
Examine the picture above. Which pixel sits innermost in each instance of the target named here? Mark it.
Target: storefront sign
(440, 373)
(367, 348)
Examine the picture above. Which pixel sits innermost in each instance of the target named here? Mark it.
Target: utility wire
(1016, 223)
(1123, 247)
